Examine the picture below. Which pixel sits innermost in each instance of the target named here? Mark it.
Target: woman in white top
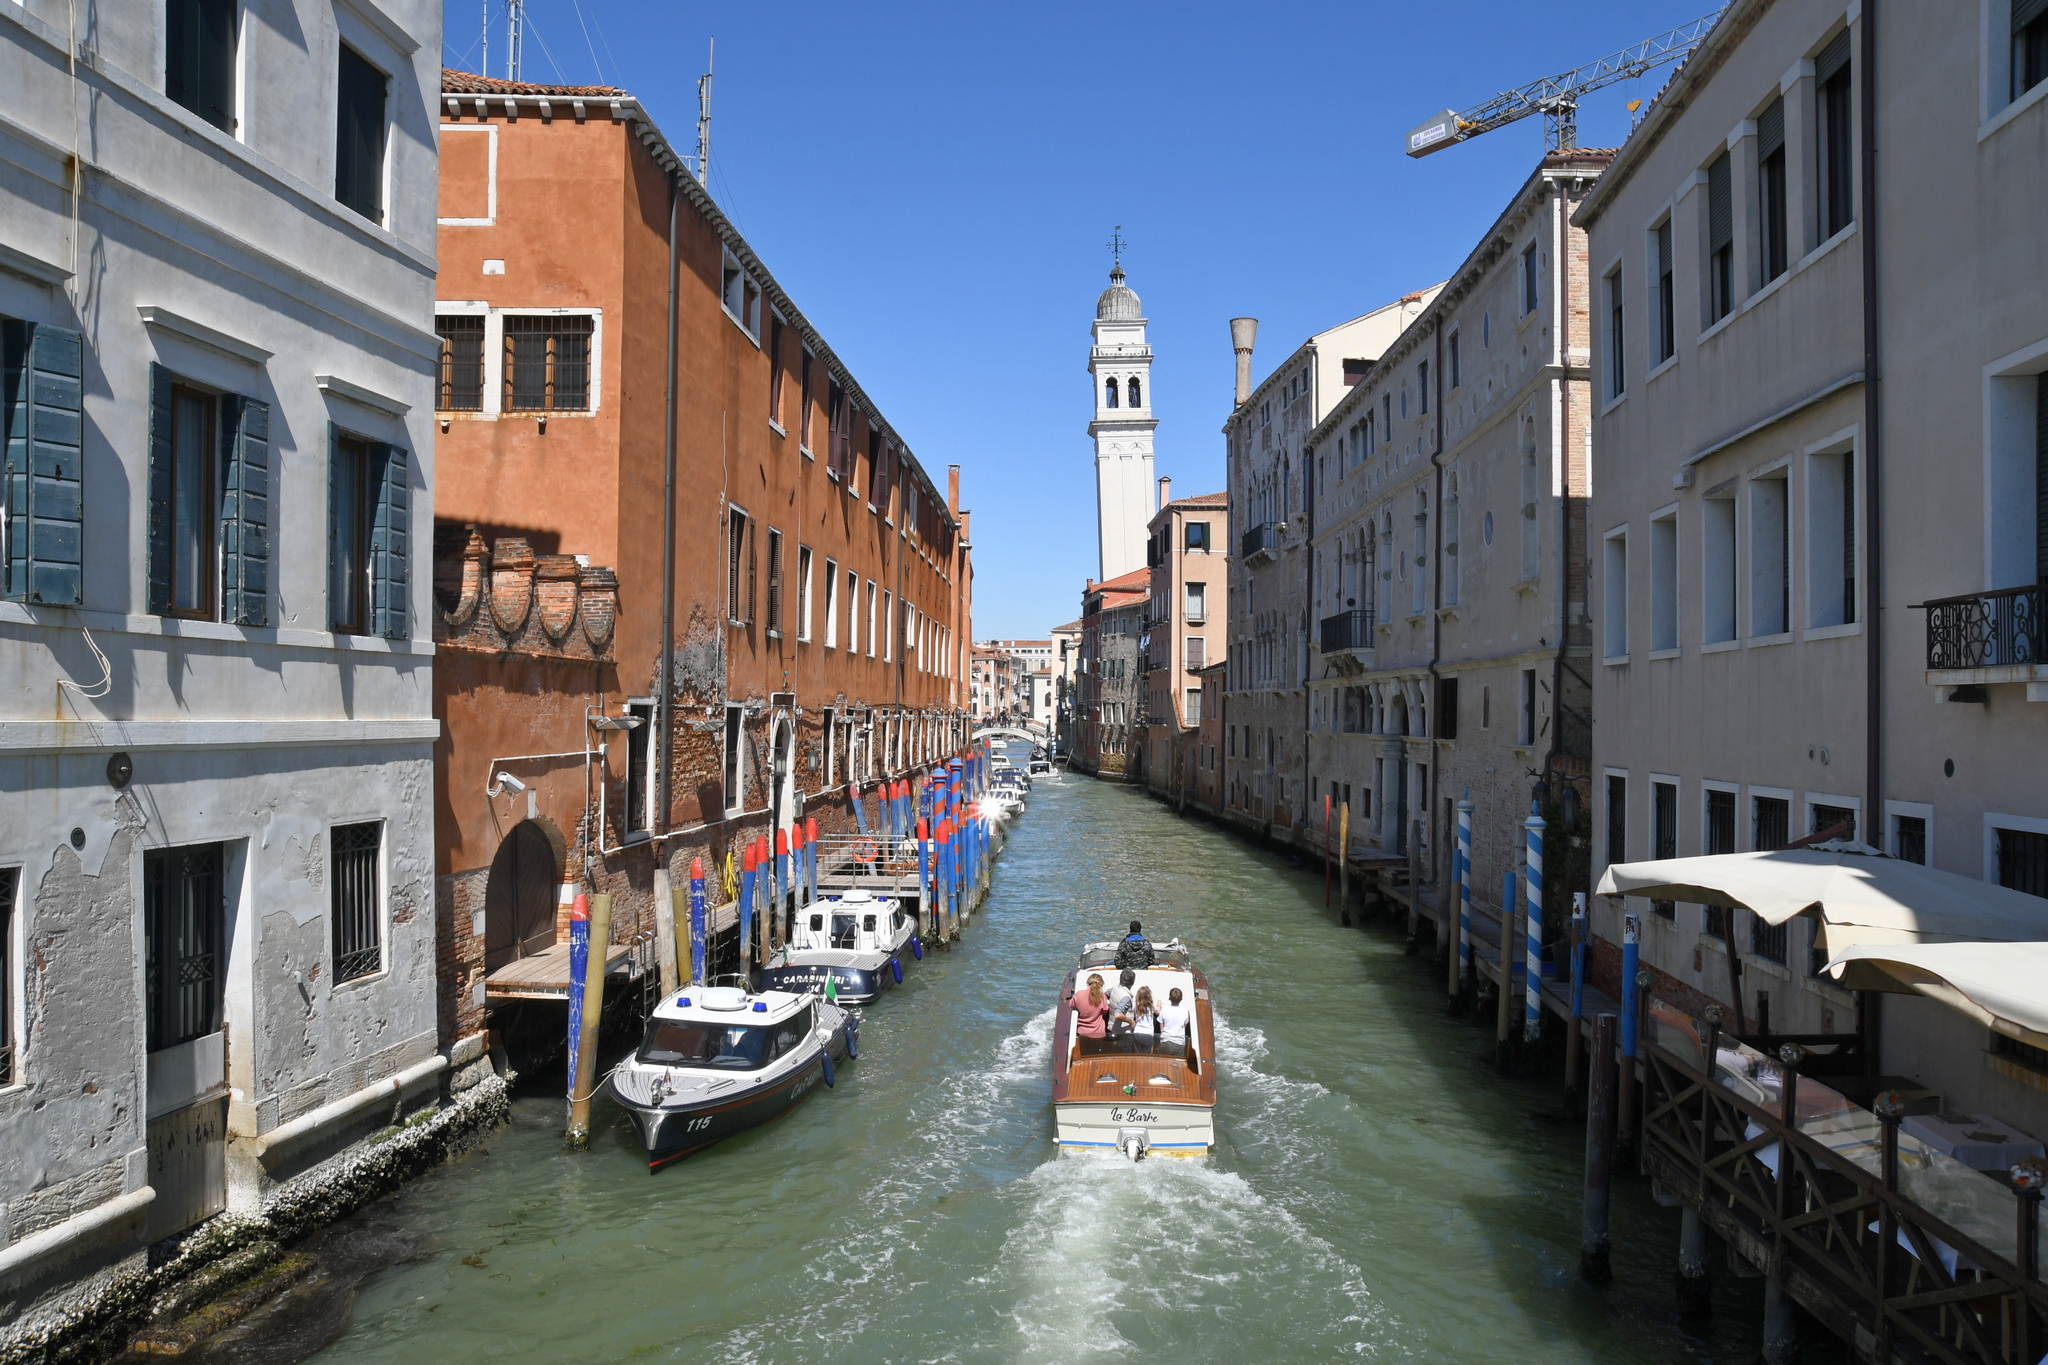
(1144, 1021)
(1174, 1026)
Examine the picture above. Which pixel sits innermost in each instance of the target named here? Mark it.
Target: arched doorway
(519, 898)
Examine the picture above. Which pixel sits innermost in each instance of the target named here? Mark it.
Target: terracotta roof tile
(455, 82)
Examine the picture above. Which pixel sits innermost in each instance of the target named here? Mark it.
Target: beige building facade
(1450, 656)
(1819, 527)
(1265, 778)
(1188, 553)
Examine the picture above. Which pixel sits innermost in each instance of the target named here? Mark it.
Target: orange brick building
(623, 387)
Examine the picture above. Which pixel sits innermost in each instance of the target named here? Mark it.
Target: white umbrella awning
(2004, 986)
(1859, 895)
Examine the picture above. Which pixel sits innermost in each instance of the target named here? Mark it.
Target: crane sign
(1557, 97)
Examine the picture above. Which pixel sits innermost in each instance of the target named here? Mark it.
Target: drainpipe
(1873, 503)
(1436, 633)
(664, 702)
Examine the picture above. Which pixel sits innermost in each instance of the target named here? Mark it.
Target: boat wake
(1111, 1258)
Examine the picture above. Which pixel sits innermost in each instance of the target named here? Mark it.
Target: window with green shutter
(209, 503)
(369, 533)
(41, 410)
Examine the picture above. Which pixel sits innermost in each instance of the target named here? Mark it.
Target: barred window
(184, 914)
(358, 922)
(462, 363)
(9, 879)
(547, 362)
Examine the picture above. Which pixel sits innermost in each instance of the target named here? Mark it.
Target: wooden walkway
(545, 975)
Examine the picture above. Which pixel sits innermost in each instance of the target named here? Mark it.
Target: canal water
(1378, 1191)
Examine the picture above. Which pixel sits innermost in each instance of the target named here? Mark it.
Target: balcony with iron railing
(1347, 632)
(1261, 544)
(1989, 637)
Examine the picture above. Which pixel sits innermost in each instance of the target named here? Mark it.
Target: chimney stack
(1243, 331)
(1165, 493)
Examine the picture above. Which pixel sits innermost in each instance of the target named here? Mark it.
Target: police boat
(719, 1060)
(848, 947)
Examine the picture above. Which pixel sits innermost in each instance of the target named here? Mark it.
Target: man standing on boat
(1134, 952)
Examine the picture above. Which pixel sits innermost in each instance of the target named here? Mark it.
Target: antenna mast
(485, 68)
(704, 115)
(515, 37)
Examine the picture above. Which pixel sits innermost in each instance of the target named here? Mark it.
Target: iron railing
(1347, 630)
(1262, 539)
(1988, 629)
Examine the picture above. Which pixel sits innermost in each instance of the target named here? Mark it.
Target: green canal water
(1378, 1191)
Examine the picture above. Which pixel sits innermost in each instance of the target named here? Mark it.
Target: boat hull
(1183, 1130)
(670, 1133)
(856, 985)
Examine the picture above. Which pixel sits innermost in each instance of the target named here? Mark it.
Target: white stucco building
(1121, 364)
(216, 863)
(1819, 529)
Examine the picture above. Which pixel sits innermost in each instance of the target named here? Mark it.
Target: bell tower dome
(1120, 363)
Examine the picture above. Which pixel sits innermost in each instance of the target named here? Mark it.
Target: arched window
(1109, 393)
(1136, 401)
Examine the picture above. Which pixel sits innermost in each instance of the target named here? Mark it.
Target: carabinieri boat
(718, 1060)
(854, 942)
(1133, 1096)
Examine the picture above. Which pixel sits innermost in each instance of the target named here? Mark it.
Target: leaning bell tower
(1121, 365)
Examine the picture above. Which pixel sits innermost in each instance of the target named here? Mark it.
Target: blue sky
(934, 185)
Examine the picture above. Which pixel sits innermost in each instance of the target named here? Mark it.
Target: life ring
(865, 851)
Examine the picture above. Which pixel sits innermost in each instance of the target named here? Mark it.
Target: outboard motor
(1134, 1143)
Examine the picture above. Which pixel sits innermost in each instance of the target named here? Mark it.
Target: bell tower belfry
(1121, 364)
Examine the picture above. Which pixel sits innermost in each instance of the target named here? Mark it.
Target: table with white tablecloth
(1979, 1141)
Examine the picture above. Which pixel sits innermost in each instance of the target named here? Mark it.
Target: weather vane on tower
(1116, 245)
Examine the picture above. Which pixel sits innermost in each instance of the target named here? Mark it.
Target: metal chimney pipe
(1243, 331)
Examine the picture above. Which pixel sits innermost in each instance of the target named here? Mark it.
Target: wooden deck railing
(1775, 1172)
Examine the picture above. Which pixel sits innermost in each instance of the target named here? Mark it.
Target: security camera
(506, 780)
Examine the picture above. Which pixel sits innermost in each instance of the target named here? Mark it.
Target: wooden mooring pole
(1594, 1248)
(1414, 885)
(1574, 1042)
(1504, 1002)
(1344, 860)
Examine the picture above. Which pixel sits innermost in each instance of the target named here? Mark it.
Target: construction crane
(1557, 97)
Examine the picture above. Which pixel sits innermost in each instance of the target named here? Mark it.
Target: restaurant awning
(2001, 985)
(1859, 895)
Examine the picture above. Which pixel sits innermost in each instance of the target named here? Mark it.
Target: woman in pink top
(1091, 1017)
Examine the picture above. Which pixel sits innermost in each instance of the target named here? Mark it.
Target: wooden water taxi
(1133, 1096)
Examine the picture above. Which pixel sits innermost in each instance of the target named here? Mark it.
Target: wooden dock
(545, 975)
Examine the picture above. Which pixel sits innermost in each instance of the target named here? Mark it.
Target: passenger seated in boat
(1134, 951)
(1144, 1022)
(1091, 1018)
(1175, 1027)
(1120, 1007)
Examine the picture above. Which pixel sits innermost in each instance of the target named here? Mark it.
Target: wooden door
(519, 899)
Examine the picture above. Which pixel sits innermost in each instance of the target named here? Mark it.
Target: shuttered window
(369, 535)
(1833, 116)
(359, 135)
(2029, 45)
(199, 58)
(1720, 239)
(1667, 334)
(41, 413)
(245, 512)
(462, 362)
(1770, 178)
(209, 503)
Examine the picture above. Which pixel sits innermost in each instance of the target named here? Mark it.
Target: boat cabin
(858, 921)
(723, 1028)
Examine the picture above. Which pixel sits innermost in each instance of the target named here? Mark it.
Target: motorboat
(1132, 1096)
(719, 1060)
(1038, 765)
(849, 947)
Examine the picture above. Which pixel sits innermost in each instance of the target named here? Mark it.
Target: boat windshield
(726, 1047)
(1161, 957)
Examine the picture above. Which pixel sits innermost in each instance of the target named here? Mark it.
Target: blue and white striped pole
(1631, 956)
(1461, 974)
(1532, 1017)
(1578, 955)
